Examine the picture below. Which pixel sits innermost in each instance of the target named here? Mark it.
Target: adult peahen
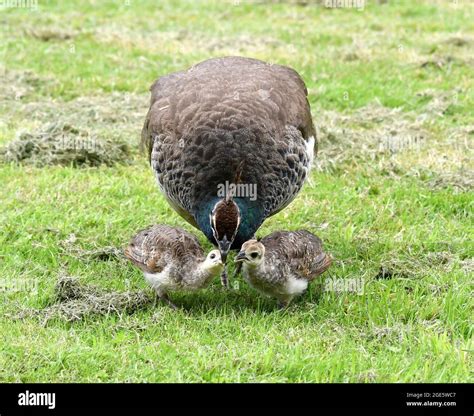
(236, 121)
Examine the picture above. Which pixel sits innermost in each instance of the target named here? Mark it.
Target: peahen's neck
(251, 219)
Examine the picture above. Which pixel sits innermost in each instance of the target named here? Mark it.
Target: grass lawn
(391, 194)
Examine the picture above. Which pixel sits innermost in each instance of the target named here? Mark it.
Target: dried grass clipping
(64, 145)
(74, 301)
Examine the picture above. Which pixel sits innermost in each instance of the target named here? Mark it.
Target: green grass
(409, 212)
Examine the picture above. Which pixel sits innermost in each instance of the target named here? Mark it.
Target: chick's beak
(241, 256)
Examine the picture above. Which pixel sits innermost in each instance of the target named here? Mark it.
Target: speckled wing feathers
(301, 250)
(154, 247)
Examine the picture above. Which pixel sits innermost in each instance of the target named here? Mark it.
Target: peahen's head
(225, 220)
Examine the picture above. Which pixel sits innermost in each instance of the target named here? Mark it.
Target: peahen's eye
(254, 255)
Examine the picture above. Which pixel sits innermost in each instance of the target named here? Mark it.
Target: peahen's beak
(224, 247)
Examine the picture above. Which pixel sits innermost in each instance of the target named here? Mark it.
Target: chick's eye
(254, 255)
(212, 256)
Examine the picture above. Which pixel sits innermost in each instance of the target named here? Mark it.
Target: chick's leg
(163, 296)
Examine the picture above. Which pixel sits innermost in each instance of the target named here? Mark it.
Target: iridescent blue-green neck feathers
(251, 217)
